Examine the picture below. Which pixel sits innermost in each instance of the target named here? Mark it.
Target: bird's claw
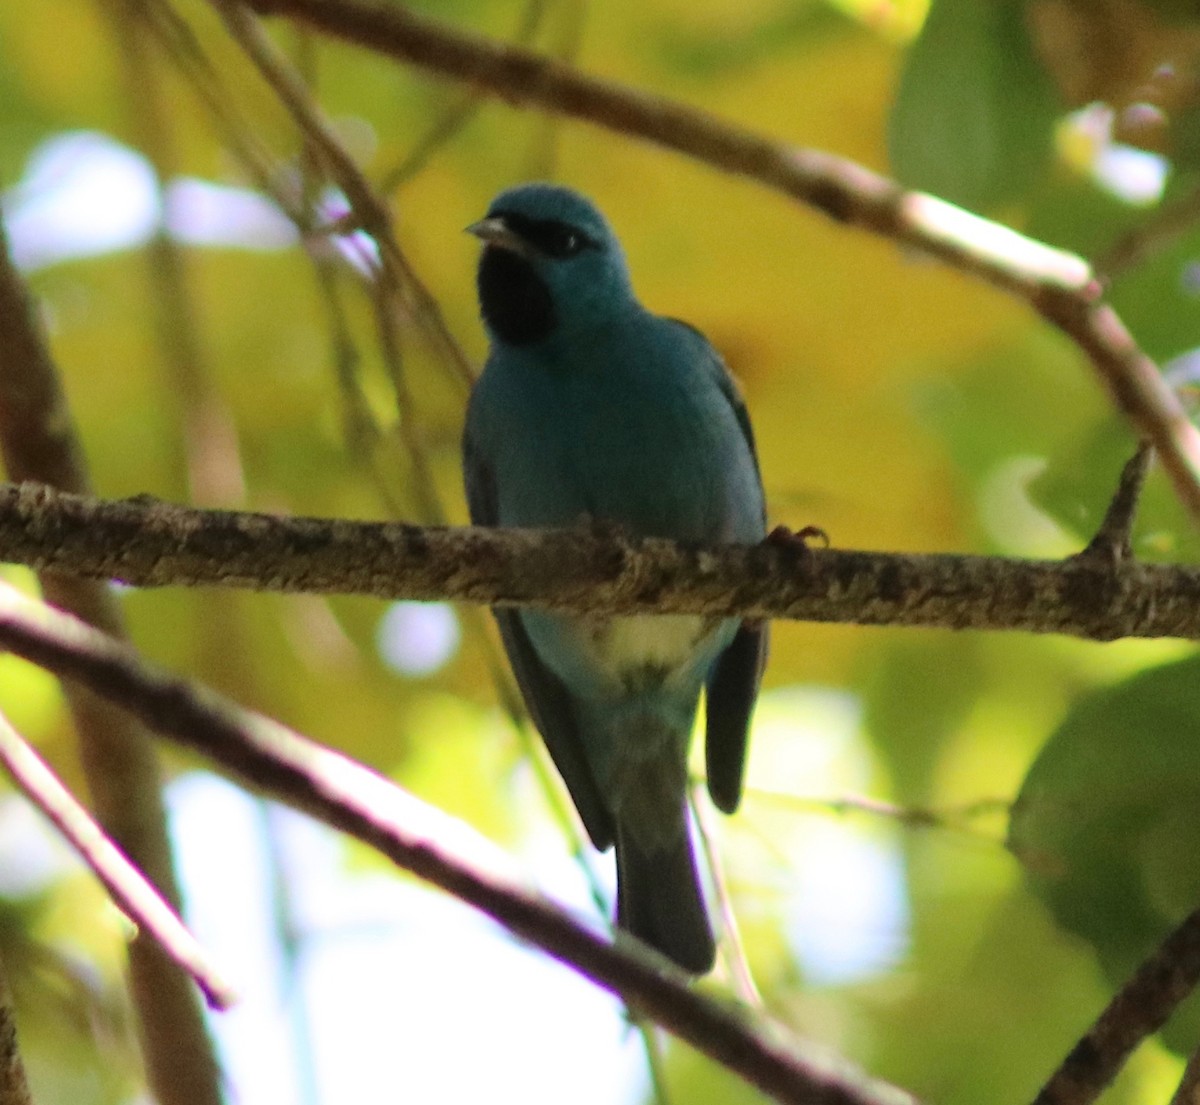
(796, 540)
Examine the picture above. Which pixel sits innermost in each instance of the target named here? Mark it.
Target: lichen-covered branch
(149, 543)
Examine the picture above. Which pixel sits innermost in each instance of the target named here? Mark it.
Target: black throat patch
(515, 301)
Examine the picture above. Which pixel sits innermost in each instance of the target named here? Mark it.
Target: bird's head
(551, 266)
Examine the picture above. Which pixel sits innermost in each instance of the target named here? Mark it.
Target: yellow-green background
(897, 404)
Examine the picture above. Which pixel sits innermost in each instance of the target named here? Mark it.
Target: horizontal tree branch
(433, 846)
(149, 543)
(1059, 285)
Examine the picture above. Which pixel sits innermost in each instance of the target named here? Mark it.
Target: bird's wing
(737, 673)
(734, 680)
(724, 379)
(548, 701)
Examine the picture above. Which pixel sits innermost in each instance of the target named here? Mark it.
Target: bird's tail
(659, 900)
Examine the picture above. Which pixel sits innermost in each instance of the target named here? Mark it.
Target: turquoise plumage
(591, 407)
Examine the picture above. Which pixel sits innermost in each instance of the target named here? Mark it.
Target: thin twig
(1114, 539)
(1140, 1008)
(433, 846)
(211, 463)
(149, 543)
(652, 1045)
(953, 818)
(429, 507)
(135, 895)
(364, 430)
(386, 291)
(175, 38)
(542, 156)
(370, 211)
(360, 429)
(733, 951)
(842, 189)
(1134, 382)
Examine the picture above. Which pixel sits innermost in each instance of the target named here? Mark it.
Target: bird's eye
(550, 237)
(561, 241)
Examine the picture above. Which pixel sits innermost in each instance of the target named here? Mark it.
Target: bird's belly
(662, 641)
(612, 658)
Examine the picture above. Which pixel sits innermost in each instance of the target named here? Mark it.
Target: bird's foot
(783, 537)
(795, 543)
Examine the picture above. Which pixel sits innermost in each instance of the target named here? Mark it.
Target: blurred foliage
(897, 404)
(1104, 823)
(992, 140)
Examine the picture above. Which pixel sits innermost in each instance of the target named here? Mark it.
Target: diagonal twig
(369, 209)
(1140, 1008)
(131, 890)
(433, 846)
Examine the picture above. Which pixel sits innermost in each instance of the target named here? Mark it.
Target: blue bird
(591, 407)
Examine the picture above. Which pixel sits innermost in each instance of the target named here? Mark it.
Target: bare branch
(149, 543)
(1140, 1008)
(433, 846)
(129, 887)
(1059, 285)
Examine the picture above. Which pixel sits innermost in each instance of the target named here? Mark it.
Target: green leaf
(1074, 212)
(974, 115)
(1158, 300)
(1008, 399)
(919, 691)
(1106, 824)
